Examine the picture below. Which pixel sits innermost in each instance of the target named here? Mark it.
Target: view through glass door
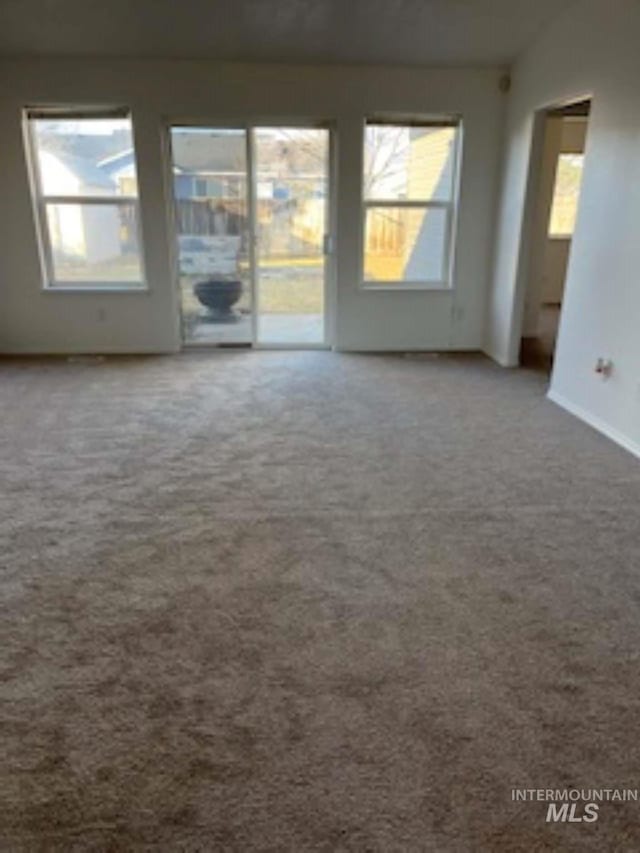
(211, 195)
(251, 215)
(291, 208)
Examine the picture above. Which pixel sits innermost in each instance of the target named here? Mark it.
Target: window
(566, 193)
(200, 189)
(409, 184)
(86, 194)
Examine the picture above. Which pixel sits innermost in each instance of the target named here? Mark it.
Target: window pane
(565, 195)
(415, 163)
(291, 167)
(211, 204)
(94, 243)
(405, 244)
(85, 156)
(210, 186)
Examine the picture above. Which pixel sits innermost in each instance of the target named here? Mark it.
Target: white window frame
(451, 207)
(41, 200)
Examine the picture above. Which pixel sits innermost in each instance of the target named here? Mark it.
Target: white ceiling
(428, 32)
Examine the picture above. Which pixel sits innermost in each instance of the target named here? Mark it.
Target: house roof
(83, 169)
(115, 162)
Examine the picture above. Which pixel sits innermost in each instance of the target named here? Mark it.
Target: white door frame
(534, 174)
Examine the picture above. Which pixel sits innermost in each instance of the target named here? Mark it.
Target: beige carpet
(303, 601)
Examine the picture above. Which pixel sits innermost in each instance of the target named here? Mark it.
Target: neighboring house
(209, 184)
(193, 178)
(430, 175)
(91, 232)
(121, 170)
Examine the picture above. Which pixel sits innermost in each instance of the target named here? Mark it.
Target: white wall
(554, 270)
(591, 50)
(35, 321)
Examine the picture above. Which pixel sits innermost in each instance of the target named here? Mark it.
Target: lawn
(282, 289)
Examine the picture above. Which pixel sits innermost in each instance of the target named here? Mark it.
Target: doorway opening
(561, 140)
(252, 221)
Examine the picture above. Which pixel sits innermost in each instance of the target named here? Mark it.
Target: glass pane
(566, 194)
(80, 157)
(414, 163)
(291, 211)
(94, 243)
(405, 244)
(210, 187)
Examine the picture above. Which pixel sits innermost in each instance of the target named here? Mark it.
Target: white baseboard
(595, 422)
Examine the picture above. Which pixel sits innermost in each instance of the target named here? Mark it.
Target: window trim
(40, 200)
(445, 284)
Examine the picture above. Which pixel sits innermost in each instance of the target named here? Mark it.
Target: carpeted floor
(307, 601)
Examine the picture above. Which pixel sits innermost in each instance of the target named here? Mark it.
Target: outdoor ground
(291, 300)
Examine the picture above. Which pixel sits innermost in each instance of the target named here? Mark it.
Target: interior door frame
(528, 216)
(249, 126)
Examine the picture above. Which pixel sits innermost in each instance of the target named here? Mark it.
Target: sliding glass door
(251, 213)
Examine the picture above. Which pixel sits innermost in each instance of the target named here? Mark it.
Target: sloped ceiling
(422, 32)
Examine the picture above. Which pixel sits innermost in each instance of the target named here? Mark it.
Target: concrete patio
(272, 328)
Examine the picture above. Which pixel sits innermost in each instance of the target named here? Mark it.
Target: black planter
(219, 295)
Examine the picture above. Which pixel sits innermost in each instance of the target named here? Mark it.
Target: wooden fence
(197, 216)
(386, 232)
